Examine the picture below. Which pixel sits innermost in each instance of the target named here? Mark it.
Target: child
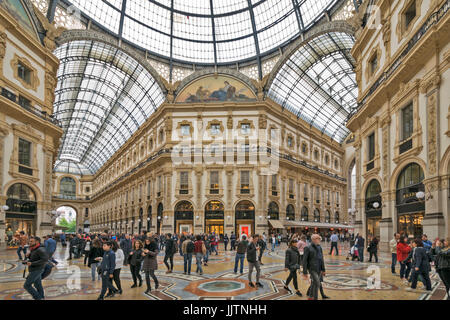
(354, 253)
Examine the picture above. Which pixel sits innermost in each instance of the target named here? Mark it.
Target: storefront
(410, 209)
(159, 217)
(373, 209)
(22, 209)
(214, 217)
(273, 214)
(184, 217)
(245, 218)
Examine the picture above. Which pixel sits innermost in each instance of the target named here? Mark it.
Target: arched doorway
(149, 217)
(373, 208)
(304, 214)
(214, 217)
(66, 220)
(141, 217)
(159, 217)
(290, 212)
(184, 217)
(67, 188)
(22, 209)
(410, 209)
(245, 218)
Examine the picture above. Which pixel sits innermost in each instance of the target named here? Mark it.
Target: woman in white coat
(120, 256)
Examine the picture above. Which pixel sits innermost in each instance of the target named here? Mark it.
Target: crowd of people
(107, 254)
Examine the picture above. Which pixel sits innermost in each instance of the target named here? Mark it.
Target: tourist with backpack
(188, 250)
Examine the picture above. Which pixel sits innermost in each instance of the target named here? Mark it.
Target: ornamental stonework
(432, 138)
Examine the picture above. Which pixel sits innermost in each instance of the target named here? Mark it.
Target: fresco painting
(216, 89)
(17, 10)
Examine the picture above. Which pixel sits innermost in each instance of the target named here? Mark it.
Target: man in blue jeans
(188, 250)
(37, 260)
(240, 254)
(393, 248)
(334, 243)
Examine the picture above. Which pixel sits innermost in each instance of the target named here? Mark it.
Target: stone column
(3, 134)
(433, 222)
(388, 203)
(359, 221)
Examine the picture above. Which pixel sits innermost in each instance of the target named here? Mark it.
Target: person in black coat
(292, 263)
(107, 267)
(170, 250)
(37, 259)
(443, 265)
(225, 241)
(262, 247)
(135, 260)
(232, 241)
(373, 249)
(252, 254)
(420, 265)
(314, 264)
(126, 246)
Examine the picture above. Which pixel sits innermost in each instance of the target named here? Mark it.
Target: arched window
(316, 215)
(21, 198)
(328, 216)
(336, 217)
(373, 189)
(273, 211)
(67, 187)
(304, 214)
(290, 212)
(411, 175)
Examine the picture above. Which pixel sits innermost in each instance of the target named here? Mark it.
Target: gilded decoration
(3, 38)
(34, 79)
(170, 87)
(217, 88)
(215, 122)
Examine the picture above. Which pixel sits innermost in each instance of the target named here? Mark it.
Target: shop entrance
(214, 217)
(22, 209)
(245, 218)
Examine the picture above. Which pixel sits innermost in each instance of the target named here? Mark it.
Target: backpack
(190, 247)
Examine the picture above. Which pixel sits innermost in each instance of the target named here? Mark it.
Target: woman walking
(95, 252)
(403, 250)
(292, 263)
(443, 265)
(135, 261)
(150, 254)
(87, 248)
(119, 264)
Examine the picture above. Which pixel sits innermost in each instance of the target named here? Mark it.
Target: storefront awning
(309, 224)
(276, 224)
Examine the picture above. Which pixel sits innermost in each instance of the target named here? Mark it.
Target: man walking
(314, 264)
(393, 248)
(170, 246)
(126, 246)
(50, 247)
(252, 252)
(23, 240)
(37, 260)
(232, 241)
(262, 247)
(240, 254)
(334, 243)
(360, 245)
(188, 250)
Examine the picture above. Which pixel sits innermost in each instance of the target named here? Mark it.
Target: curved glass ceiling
(318, 83)
(102, 97)
(206, 31)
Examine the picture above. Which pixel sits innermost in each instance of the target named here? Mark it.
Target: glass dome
(206, 31)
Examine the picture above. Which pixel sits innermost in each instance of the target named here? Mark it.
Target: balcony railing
(22, 102)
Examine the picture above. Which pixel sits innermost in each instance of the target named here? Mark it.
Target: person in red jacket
(403, 250)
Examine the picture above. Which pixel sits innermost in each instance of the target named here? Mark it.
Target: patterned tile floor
(345, 280)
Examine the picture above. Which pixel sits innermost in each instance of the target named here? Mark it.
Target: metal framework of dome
(102, 97)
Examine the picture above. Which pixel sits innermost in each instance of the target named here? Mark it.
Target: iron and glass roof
(318, 83)
(206, 31)
(102, 97)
